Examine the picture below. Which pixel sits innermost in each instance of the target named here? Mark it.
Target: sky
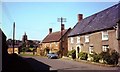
(35, 18)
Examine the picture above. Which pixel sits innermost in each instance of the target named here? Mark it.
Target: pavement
(16, 63)
(89, 62)
(65, 64)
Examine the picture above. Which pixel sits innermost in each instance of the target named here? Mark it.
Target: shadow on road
(15, 63)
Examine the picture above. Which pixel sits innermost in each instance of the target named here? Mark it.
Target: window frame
(56, 44)
(105, 47)
(71, 40)
(91, 49)
(87, 38)
(78, 39)
(105, 35)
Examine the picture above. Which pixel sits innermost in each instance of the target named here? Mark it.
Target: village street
(62, 65)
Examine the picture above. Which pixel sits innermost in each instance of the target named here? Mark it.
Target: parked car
(52, 56)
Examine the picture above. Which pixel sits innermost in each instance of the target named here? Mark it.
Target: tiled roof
(15, 46)
(102, 20)
(54, 37)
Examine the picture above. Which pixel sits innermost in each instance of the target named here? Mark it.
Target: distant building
(52, 42)
(96, 33)
(17, 46)
(24, 38)
(39, 49)
(20, 45)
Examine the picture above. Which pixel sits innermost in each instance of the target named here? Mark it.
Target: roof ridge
(59, 31)
(50, 37)
(101, 20)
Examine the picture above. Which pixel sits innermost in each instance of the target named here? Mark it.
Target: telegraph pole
(13, 36)
(61, 20)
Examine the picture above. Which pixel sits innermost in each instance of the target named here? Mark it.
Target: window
(104, 35)
(78, 39)
(50, 45)
(55, 43)
(45, 45)
(91, 49)
(105, 48)
(71, 40)
(71, 48)
(86, 38)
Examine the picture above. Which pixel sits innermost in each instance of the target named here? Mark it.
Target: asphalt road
(62, 65)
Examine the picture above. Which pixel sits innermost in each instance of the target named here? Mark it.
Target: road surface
(70, 65)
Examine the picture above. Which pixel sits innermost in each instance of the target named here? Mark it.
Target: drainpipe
(118, 38)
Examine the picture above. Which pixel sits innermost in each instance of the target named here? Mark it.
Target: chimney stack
(62, 27)
(50, 30)
(80, 17)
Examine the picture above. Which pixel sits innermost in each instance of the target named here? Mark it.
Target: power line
(7, 13)
(9, 17)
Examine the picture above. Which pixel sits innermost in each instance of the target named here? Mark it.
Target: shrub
(96, 57)
(73, 55)
(105, 56)
(83, 55)
(71, 52)
(114, 57)
(110, 58)
(23, 49)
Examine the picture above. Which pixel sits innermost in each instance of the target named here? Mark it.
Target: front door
(78, 50)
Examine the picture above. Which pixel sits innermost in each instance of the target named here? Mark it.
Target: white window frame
(91, 50)
(104, 35)
(105, 48)
(87, 39)
(71, 39)
(78, 39)
(55, 43)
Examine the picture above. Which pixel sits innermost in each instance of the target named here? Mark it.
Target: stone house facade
(96, 33)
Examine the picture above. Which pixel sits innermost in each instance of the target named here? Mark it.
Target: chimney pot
(50, 30)
(80, 17)
(62, 27)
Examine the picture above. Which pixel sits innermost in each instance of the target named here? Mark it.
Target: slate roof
(15, 46)
(54, 37)
(105, 19)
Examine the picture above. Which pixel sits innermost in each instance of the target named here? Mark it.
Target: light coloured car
(52, 56)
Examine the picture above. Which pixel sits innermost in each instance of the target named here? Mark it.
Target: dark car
(52, 56)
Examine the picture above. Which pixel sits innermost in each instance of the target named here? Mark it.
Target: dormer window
(104, 35)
